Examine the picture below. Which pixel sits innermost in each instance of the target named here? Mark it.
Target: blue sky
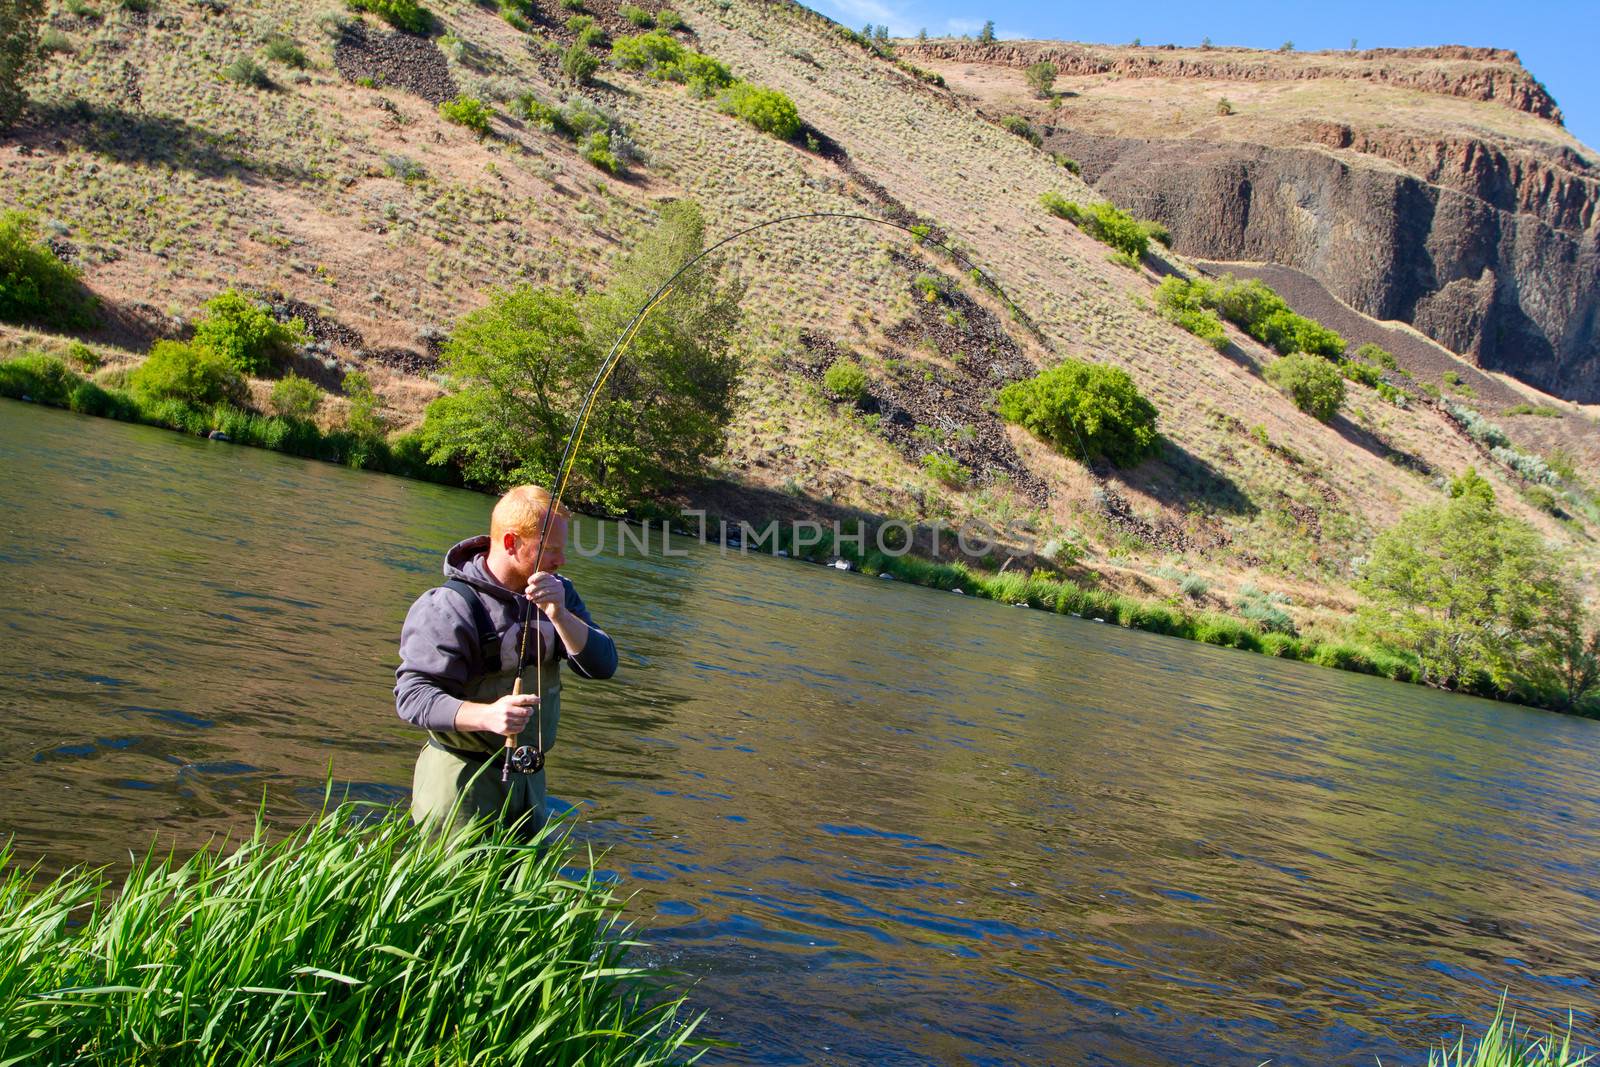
(1556, 39)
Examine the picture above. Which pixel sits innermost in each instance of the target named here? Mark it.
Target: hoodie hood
(467, 561)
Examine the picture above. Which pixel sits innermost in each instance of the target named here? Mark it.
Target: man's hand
(509, 715)
(547, 594)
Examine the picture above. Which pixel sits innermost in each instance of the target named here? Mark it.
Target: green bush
(245, 333)
(946, 469)
(540, 114)
(579, 65)
(41, 378)
(35, 286)
(1086, 410)
(1371, 353)
(589, 34)
(295, 397)
(767, 110)
(1313, 383)
(669, 19)
(845, 380)
(662, 56)
(282, 49)
(81, 355)
(597, 151)
(1041, 77)
(638, 16)
(244, 70)
(1022, 128)
(1156, 232)
(407, 15)
(1102, 221)
(1363, 373)
(188, 373)
(467, 111)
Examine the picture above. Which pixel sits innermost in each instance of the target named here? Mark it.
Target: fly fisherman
(460, 652)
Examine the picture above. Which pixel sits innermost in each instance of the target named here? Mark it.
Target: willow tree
(1465, 586)
(519, 370)
(19, 53)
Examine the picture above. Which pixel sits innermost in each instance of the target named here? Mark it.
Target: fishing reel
(526, 759)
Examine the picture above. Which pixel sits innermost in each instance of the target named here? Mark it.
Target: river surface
(869, 823)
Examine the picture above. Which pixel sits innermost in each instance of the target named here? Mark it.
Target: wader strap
(488, 639)
(462, 753)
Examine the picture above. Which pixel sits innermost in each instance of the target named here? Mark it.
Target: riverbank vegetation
(355, 940)
(518, 371)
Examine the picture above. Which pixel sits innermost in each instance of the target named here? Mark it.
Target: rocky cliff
(1477, 227)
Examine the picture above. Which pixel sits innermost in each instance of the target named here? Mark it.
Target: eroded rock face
(1451, 70)
(1495, 257)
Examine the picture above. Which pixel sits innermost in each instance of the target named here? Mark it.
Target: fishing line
(613, 357)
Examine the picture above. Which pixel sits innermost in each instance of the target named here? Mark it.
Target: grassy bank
(44, 379)
(355, 940)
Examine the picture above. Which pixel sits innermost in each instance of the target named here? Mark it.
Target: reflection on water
(870, 823)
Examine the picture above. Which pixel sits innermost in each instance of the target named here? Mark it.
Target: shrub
(1102, 221)
(190, 373)
(669, 19)
(1085, 410)
(588, 33)
(946, 469)
(1041, 77)
(1022, 128)
(282, 49)
(1194, 587)
(81, 355)
(52, 40)
(768, 110)
(245, 334)
(1224, 106)
(579, 65)
(1156, 232)
(1372, 353)
(540, 114)
(295, 397)
(638, 16)
(845, 380)
(407, 15)
(246, 71)
(35, 286)
(404, 168)
(467, 111)
(1314, 384)
(597, 151)
(44, 379)
(1364, 373)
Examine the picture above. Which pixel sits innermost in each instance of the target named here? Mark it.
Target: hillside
(357, 206)
(1434, 186)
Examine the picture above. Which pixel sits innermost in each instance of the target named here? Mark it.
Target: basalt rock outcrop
(1497, 257)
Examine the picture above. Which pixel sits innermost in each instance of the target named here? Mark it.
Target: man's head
(514, 530)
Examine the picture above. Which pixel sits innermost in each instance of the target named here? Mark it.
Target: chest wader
(457, 778)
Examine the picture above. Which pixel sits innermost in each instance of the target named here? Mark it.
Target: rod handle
(516, 690)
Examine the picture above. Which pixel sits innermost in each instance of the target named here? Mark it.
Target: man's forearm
(574, 632)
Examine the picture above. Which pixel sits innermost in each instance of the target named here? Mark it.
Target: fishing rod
(531, 759)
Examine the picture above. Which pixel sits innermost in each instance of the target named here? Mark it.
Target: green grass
(47, 380)
(355, 940)
(1501, 1047)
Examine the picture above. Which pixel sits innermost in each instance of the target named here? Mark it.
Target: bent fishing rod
(530, 759)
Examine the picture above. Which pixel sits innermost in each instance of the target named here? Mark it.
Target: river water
(868, 823)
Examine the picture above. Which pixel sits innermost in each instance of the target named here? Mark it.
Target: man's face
(526, 550)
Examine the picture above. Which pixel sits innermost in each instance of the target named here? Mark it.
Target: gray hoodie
(440, 656)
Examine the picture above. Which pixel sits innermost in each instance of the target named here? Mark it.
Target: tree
(20, 54)
(1041, 77)
(1562, 667)
(522, 366)
(1462, 585)
(986, 35)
